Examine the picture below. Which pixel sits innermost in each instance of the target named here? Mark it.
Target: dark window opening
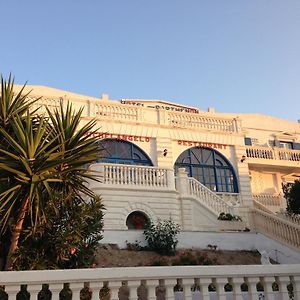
(137, 220)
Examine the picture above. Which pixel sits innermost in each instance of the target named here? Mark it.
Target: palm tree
(39, 157)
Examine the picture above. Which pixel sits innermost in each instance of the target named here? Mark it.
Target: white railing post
(220, 282)
(12, 291)
(296, 286)
(268, 281)
(55, 289)
(76, 287)
(204, 283)
(170, 179)
(182, 181)
(187, 284)
(95, 287)
(283, 282)
(169, 285)
(252, 290)
(236, 287)
(151, 286)
(132, 285)
(34, 291)
(114, 289)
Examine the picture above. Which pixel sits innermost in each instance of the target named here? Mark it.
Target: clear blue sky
(234, 55)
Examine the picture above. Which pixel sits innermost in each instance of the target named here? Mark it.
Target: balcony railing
(208, 198)
(273, 153)
(203, 122)
(137, 176)
(163, 283)
(277, 228)
(106, 110)
(270, 200)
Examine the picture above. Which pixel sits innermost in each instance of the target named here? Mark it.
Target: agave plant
(39, 156)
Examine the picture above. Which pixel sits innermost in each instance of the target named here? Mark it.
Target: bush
(229, 217)
(161, 237)
(69, 238)
(292, 195)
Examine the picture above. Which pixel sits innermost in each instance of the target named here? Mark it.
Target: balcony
(273, 156)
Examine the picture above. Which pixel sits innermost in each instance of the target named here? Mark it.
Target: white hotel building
(163, 160)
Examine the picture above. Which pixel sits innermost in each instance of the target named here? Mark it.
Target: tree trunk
(17, 229)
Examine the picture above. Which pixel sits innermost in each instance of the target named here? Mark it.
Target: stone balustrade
(277, 228)
(272, 153)
(254, 282)
(270, 200)
(203, 122)
(262, 207)
(208, 198)
(292, 218)
(132, 175)
(110, 110)
(230, 198)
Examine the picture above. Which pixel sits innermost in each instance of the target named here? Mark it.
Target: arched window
(137, 220)
(122, 152)
(209, 167)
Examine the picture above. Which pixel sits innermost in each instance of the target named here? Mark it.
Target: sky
(233, 55)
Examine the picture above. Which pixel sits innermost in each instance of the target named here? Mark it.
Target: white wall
(224, 241)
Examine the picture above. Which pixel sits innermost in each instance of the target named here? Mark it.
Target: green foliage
(161, 236)
(40, 156)
(292, 195)
(69, 238)
(229, 217)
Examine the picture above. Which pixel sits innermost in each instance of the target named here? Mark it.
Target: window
(122, 152)
(286, 145)
(248, 141)
(137, 220)
(209, 167)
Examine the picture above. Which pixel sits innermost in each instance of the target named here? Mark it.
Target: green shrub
(229, 217)
(161, 237)
(292, 195)
(69, 238)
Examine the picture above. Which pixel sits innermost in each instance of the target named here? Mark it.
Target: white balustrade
(270, 200)
(139, 176)
(292, 155)
(291, 218)
(116, 112)
(164, 283)
(230, 198)
(190, 120)
(277, 228)
(208, 198)
(272, 153)
(263, 153)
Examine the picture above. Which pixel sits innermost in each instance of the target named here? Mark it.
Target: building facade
(166, 160)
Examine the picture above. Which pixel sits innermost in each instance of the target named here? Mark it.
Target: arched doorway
(137, 220)
(209, 167)
(122, 152)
